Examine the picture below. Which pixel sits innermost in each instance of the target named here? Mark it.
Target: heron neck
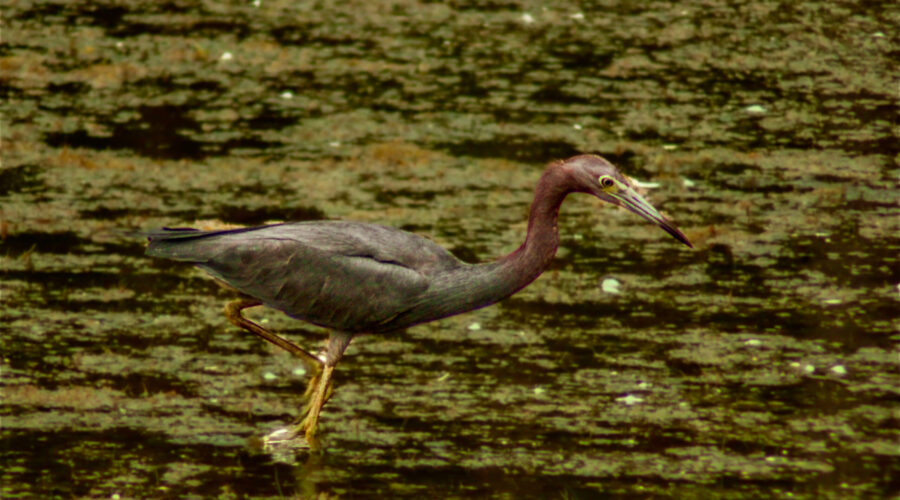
(527, 262)
(470, 287)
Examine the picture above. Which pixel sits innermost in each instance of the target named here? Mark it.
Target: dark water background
(764, 363)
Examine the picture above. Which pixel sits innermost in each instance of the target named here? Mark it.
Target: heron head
(594, 175)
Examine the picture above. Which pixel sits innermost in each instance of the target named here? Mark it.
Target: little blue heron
(355, 278)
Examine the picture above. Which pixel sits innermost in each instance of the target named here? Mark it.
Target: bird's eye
(607, 183)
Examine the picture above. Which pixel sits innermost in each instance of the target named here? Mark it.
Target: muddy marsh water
(764, 363)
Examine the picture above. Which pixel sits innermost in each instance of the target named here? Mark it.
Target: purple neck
(527, 262)
(471, 287)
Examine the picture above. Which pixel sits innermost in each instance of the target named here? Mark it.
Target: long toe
(284, 444)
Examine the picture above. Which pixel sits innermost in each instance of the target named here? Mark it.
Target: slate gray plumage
(354, 277)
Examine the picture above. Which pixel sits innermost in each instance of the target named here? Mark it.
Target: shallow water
(763, 363)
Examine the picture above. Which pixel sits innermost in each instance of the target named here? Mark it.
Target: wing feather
(341, 275)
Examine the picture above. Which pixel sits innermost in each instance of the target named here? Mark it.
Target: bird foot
(283, 444)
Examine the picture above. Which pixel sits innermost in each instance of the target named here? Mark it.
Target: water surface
(762, 363)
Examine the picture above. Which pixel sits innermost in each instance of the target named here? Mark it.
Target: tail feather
(187, 244)
(178, 243)
(172, 233)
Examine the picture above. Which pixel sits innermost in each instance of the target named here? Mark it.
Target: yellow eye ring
(607, 183)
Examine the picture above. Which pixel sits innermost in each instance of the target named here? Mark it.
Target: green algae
(762, 364)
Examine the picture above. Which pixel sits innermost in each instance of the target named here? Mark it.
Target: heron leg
(233, 313)
(337, 343)
(319, 389)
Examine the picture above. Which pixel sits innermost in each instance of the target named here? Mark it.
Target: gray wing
(343, 275)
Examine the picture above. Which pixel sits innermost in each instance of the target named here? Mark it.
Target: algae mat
(762, 364)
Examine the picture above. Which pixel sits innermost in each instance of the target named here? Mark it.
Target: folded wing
(348, 276)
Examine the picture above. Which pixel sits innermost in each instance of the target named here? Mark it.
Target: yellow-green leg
(321, 386)
(319, 389)
(233, 313)
(317, 400)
